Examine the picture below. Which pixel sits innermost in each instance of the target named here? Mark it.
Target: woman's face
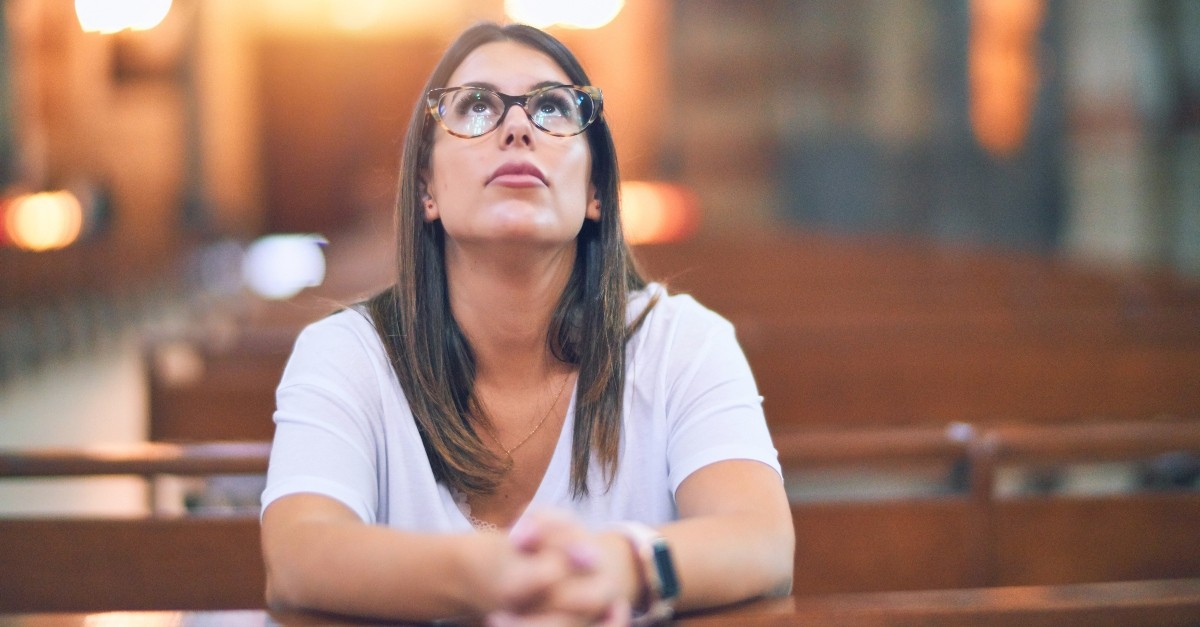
(546, 194)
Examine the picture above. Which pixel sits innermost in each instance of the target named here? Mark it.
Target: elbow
(280, 594)
(274, 599)
(783, 563)
(782, 586)
(288, 585)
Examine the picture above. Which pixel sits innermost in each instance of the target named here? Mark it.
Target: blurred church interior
(939, 219)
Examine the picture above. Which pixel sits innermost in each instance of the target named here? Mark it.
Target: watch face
(666, 570)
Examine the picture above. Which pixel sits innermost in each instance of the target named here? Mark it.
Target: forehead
(514, 68)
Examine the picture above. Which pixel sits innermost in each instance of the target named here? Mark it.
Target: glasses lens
(561, 110)
(474, 111)
(469, 111)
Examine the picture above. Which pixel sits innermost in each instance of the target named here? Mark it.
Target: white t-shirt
(344, 428)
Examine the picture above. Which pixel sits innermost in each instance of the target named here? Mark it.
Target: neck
(503, 302)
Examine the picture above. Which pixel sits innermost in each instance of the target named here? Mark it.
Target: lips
(518, 174)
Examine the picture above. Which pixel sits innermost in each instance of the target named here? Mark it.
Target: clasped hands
(554, 571)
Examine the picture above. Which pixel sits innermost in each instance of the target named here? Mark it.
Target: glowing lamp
(1003, 73)
(277, 267)
(655, 212)
(43, 221)
(111, 16)
(547, 13)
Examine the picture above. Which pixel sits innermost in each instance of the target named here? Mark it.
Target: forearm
(348, 567)
(735, 539)
(723, 559)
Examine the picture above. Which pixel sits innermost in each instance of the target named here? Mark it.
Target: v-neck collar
(553, 483)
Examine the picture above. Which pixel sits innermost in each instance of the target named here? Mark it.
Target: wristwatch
(658, 571)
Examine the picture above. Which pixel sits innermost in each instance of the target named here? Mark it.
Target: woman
(521, 377)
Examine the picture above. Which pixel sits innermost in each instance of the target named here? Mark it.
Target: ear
(428, 203)
(593, 206)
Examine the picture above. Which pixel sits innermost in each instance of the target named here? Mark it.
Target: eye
(553, 103)
(475, 103)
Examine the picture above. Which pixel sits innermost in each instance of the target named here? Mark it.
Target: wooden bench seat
(980, 537)
(863, 377)
(790, 273)
(132, 563)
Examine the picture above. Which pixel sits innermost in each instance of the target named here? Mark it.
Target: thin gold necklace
(509, 451)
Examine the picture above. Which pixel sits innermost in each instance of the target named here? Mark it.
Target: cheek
(448, 173)
(578, 170)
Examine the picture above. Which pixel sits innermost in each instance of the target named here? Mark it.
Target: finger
(557, 529)
(529, 579)
(545, 527)
(590, 597)
(583, 556)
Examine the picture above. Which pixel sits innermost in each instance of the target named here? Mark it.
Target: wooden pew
(970, 538)
(1172, 602)
(138, 563)
(1161, 603)
(203, 390)
(785, 274)
(147, 460)
(845, 333)
(870, 546)
(1074, 538)
(841, 333)
(827, 377)
(234, 356)
(130, 564)
(850, 338)
(894, 543)
(979, 537)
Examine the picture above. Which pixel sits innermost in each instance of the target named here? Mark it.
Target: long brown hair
(432, 358)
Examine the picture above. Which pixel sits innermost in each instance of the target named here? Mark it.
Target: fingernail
(501, 619)
(583, 555)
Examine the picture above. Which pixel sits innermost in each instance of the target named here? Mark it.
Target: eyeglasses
(559, 110)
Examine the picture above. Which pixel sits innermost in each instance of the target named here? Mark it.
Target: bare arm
(735, 539)
(320, 556)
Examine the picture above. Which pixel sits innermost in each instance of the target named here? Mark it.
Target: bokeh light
(547, 13)
(43, 221)
(277, 267)
(656, 212)
(111, 16)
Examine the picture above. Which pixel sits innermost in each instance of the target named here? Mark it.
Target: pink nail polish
(583, 555)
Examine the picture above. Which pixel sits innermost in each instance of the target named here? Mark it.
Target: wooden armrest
(800, 449)
(1091, 442)
(145, 459)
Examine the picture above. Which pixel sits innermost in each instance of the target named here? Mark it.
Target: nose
(516, 129)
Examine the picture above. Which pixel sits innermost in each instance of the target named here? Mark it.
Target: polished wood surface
(72, 564)
(142, 458)
(137, 562)
(844, 332)
(1159, 603)
(944, 540)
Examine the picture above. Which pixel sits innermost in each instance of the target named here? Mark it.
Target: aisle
(97, 397)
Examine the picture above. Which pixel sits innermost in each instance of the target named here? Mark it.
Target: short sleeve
(713, 407)
(327, 417)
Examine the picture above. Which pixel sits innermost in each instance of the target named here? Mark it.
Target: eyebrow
(487, 85)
